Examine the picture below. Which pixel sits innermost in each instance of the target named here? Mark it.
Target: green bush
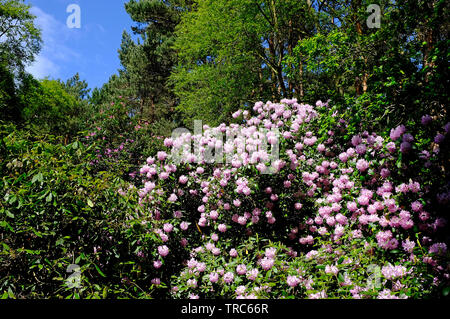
(50, 109)
(55, 212)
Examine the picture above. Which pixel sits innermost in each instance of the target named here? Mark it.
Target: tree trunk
(427, 60)
(273, 75)
(290, 46)
(300, 81)
(261, 82)
(360, 84)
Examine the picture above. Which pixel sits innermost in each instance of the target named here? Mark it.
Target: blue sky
(91, 50)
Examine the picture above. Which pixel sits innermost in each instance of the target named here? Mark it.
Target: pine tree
(147, 63)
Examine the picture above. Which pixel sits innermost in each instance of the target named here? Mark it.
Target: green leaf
(90, 203)
(38, 177)
(445, 291)
(11, 294)
(320, 267)
(12, 199)
(34, 179)
(99, 271)
(6, 225)
(9, 214)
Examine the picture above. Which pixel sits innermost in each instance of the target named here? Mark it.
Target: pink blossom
(228, 277)
(168, 227)
(331, 270)
(241, 269)
(157, 264)
(385, 172)
(222, 228)
(172, 198)
(163, 250)
(363, 200)
(438, 248)
(156, 281)
(292, 281)
(397, 132)
(362, 165)
(182, 179)
(184, 225)
(161, 155)
(270, 252)
(252, 274)
(213, 277)
(240, 290)
(408, 245)
(233, 252)
(343, 157)
(416, 206)
(267, 263)
(392, 272)
(191, 283)
(201, 267)
(352, 206)
(426, 119)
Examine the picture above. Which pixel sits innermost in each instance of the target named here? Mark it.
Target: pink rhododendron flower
(292, 281)
(267, 263)
(228, 277)
(362, 165)
(163, 250)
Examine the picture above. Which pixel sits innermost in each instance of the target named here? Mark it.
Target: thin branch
(264, 15)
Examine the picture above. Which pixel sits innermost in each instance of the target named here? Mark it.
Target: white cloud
(55, 52)
(43, 67)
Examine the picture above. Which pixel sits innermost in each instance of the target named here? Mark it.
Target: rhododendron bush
(285, 204)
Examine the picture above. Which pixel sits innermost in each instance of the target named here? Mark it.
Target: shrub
(356, 201)
(56, 212)
(343, 214)
(121, 140)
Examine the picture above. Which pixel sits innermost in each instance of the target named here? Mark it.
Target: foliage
(397, 72)
(148, 62)
(347, 198)
(8, 96)
(54, 212)
(76, 87)
(231, 52)
(122, 141)
(20, 41)
(49, 108)
(20, 38)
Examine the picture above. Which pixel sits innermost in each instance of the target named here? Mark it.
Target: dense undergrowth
(341, 215)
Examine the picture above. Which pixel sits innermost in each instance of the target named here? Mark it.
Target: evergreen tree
(147, 63)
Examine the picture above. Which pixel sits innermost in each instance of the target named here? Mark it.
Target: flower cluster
(325, 200)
